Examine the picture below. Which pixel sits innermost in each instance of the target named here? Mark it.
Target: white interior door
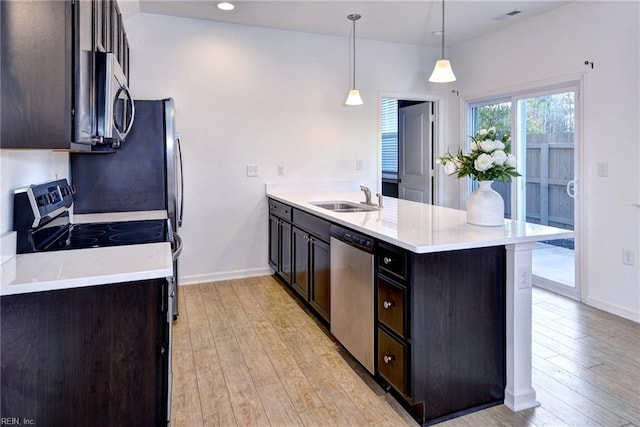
(415, 147)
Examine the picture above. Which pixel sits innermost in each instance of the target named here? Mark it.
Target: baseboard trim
(613, 309)
(225, 275)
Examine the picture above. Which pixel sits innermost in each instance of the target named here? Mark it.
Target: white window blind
(389, 135)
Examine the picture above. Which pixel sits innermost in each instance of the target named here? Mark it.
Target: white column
(519, 394)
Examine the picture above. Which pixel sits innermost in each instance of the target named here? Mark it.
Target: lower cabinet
(94, 356)
(311, 270)
(441, 330)
(320, 293)
(280, 247)
(300, 255)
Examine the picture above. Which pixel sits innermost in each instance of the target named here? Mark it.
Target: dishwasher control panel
(352, 238)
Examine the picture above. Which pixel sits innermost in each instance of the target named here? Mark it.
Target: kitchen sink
(344, 206)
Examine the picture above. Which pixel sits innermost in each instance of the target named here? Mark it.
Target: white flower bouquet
(490, 158)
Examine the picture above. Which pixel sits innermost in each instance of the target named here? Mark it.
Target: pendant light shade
(353, 98)
(442, 71)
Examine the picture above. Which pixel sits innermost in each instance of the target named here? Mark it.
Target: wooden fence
(549, 170)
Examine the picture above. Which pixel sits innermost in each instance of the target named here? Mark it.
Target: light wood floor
(246, 353)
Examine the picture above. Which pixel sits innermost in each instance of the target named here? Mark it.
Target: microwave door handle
(133, 110)
(179, 146)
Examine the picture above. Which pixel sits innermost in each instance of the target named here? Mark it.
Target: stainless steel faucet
(379, 196)
(367, 194)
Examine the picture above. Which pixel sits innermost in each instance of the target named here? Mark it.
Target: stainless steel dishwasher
(352, 287)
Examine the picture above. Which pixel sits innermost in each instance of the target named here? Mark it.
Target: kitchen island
(433, 236)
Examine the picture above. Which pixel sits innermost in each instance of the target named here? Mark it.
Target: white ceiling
(391, 20)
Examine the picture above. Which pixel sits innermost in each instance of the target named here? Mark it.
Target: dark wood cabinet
(48, 68)
(301, 262)
(320, 273)
(95, 355)
(36, 67)
(441, 329)
(312, 271)
(280, 239)
(280, 247)
(300, 255)
(102, 25)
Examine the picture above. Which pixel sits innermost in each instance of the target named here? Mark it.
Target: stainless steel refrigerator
(144, 174)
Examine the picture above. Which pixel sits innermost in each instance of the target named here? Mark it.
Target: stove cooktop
(95, 235)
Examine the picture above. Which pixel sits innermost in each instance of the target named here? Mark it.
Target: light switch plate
(603, 169)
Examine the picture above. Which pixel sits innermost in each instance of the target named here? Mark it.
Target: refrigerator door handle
(181, 178)
(177, 249)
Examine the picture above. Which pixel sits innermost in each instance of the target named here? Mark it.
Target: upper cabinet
(36, 67)
(48, 67)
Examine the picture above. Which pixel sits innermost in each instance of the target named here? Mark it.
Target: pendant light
(442, 72)
(354, 94)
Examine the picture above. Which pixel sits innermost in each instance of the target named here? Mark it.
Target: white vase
(485, 206)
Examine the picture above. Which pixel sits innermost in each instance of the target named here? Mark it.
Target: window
(389, 136)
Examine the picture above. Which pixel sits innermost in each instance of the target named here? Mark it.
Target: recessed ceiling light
(225, 6)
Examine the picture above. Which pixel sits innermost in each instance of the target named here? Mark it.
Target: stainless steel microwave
(116, 108)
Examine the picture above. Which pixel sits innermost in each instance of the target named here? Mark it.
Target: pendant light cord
(354, 53)
(442, 29)
(354, 17)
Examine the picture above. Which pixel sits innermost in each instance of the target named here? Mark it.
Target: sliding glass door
(544, 139)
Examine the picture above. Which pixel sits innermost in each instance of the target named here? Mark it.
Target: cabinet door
(35, 63)
(89, 356)
(300, 253)
(320, 297)
(284, 261)
(274, 241)
(101, 25)
(125, 58)
(115, 28)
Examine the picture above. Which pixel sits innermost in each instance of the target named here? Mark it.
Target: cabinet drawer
(313, 225)
(391, 306)
(392, 362)
(393, 260)
(280, 210)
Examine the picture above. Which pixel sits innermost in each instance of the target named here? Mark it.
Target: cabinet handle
(388, 304)
(388, 359)
(386, 260)
(285, 211)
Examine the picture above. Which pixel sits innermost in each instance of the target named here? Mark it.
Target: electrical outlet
(523, 278)
(359, 165)
(628, 257)
(280, 170)
(252, 170)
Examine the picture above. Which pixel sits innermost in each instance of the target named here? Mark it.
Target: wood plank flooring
(247, 353)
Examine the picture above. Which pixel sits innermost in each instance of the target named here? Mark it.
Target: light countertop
(64, 269)
(419, 227)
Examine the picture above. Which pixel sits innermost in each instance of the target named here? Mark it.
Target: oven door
(116, 109)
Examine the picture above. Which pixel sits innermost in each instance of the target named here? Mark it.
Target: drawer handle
(388, 359)
(388, 304)
(285, 211)
(386, 260)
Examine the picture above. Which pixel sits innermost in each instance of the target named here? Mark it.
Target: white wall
(247, 95)
(554, 45)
